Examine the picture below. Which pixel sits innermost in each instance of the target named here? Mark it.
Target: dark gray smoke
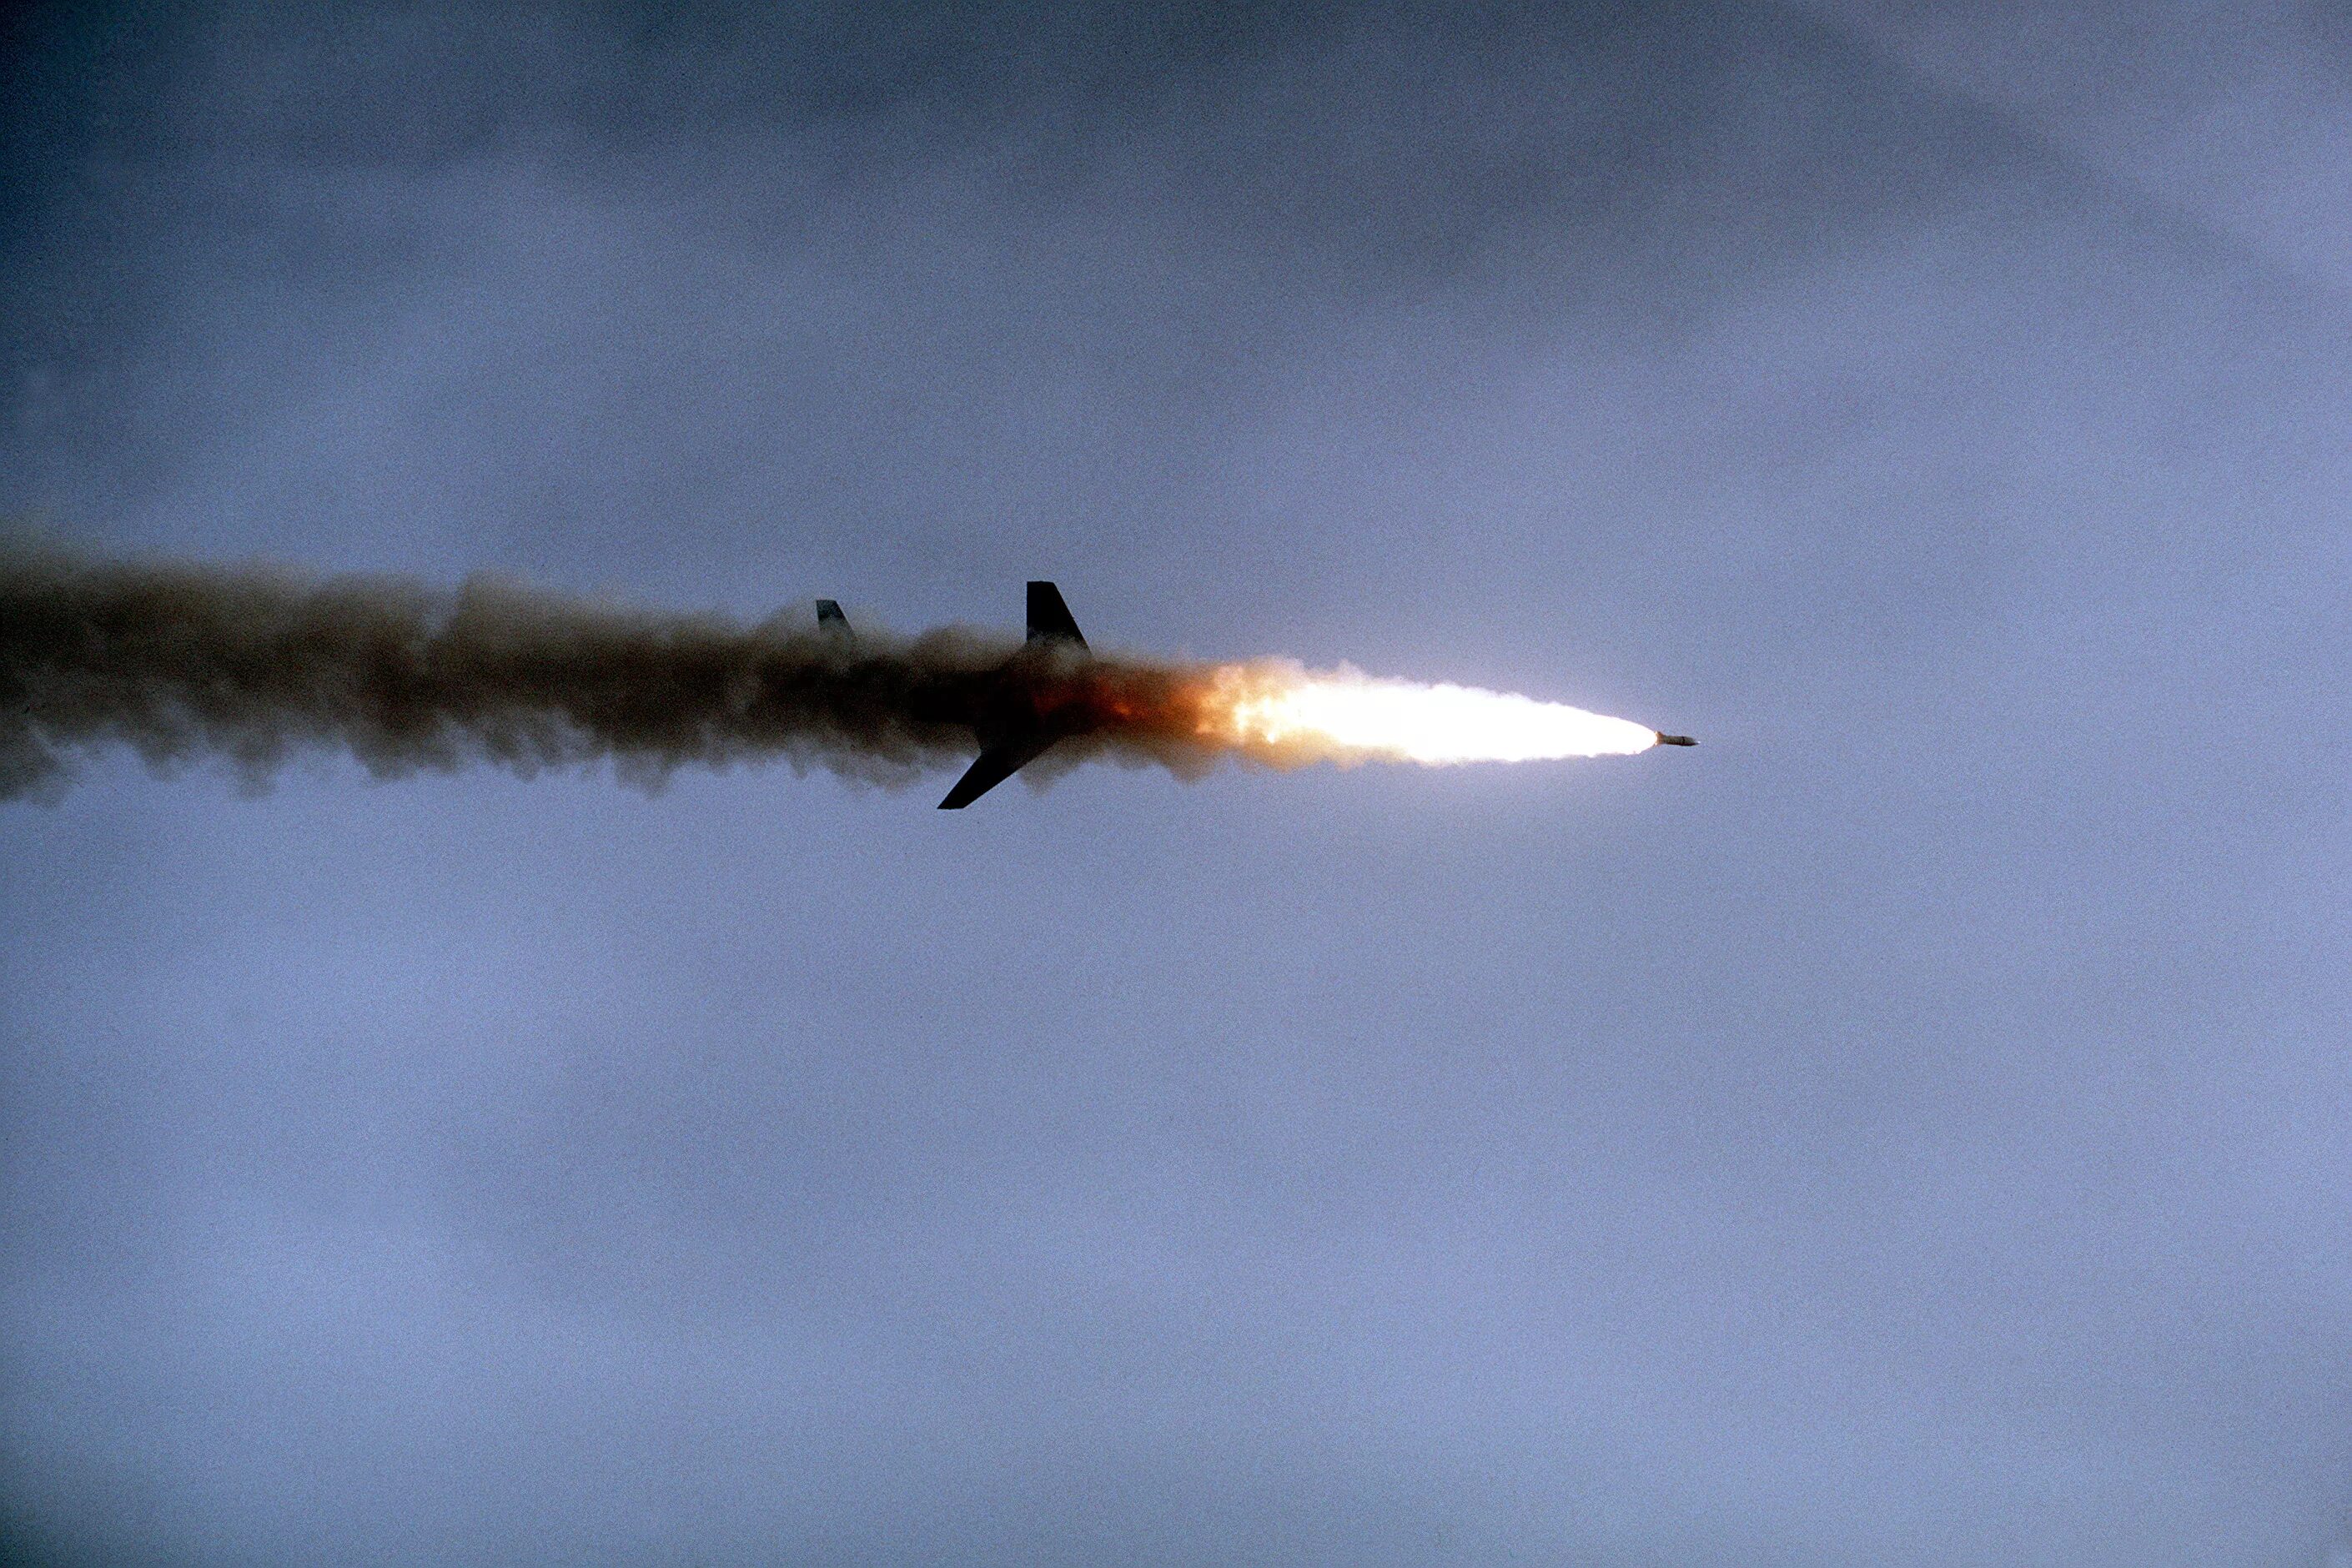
(252, 665)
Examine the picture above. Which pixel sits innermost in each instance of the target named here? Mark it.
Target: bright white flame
(1346, 714)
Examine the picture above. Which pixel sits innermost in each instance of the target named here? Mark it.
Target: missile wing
(1049, 617)
(991, 768)
(1009, 747)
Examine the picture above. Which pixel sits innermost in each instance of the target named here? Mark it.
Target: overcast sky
(1908, 1129)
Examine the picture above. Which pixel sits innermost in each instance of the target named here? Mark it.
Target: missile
(1665, 740)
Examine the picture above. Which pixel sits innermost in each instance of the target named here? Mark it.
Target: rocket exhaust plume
(252, 665)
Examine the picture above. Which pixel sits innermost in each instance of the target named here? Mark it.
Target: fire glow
(1292, 715)
(254, 665)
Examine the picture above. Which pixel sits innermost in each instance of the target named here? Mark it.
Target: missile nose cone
(1665, 740)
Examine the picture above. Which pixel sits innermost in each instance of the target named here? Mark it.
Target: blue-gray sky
(1908, 1129)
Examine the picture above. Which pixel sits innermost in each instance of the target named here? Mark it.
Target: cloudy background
(1911, 1128)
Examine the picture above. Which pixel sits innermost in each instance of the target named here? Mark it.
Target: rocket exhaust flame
(252, 665)
(1280, 714)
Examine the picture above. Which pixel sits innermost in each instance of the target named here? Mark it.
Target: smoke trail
(252, 665)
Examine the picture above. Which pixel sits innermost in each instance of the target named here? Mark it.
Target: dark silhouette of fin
(987, 770)
(1049, 618)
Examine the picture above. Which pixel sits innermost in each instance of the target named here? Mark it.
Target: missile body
(1665, 740)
